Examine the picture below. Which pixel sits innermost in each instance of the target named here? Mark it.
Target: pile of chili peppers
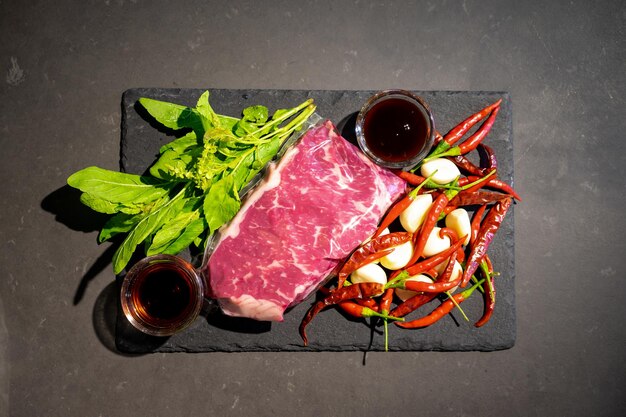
(478, 189)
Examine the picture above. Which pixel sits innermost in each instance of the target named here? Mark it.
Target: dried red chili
(488, 160)
(371, 251)
(468, 198)
(462, 128)
(489, 292)
(412, 304)
(427, 226)
(466, 165)
(358, 311)
(441, 311)
(476, 221)
(411, 178)
(367, 302)
(354, 291)
(385, 301)
(439, 286)
(485, 236)
(493, 183)
(472, 142)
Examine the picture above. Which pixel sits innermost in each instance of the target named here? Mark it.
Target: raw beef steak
(311, 210)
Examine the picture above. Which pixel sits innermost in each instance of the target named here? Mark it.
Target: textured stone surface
(330, 331)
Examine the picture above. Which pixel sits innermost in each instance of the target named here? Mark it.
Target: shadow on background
(65, 204)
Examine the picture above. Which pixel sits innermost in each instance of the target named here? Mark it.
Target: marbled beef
(311, 210)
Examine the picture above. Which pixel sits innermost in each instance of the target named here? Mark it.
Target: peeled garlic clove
(445, 169)
(369, 273)
(413, 216)
(459, 221)
(406, 294)
(435, 243)
(399, 258)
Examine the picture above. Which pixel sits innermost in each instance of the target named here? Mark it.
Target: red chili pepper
(476, 221)
(438, 137)
(442, 285)
(462, 128)
(446, 231)
(411, 178)
(432, 272)
(412, 304)
(472, 142)
(359, 311)
(466, 165)
(439, 312)
(370, 251)
(393, 213)
(434, 287)
(427, 226)
(469, 198)
(493, 183)
(460, 255)
(449, 208)
(489, 293)
(385, 301)
(503, 186)
(487, 231)
(488, 159)
(354, 291)
(447, 272)
(367, 302)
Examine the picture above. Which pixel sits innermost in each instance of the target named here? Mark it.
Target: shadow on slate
(330, 330)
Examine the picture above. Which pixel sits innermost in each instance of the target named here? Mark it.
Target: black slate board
(330, 331)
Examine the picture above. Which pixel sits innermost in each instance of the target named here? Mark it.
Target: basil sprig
(194, 186)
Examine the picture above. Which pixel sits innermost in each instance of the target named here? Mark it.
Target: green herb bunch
(194, 186)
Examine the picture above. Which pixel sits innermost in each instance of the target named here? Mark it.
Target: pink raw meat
(321, 201)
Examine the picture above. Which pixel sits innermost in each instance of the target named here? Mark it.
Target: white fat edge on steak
(254, 308)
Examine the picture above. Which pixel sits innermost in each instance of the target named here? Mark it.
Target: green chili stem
(393, 283)
(280, 119)
(478, 181)
(457, 305)
(368, 312)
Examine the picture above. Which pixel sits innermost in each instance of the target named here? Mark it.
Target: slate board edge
(132, 93)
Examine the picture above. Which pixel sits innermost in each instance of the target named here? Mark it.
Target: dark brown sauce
(164, 294)
(395, 130)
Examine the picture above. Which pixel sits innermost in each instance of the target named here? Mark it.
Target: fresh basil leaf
(255, 114)
(189, 236)
(209, 118)
(241, 169)
(120, 223)
(173, 166)
(118, 187)
(182, 144)
(221, 203)
(98, 204)
(265, 152)
(144, 228)
(171, 232)
(170, 115)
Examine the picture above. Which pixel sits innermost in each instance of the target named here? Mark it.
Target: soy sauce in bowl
(395, 129)
(162, 294)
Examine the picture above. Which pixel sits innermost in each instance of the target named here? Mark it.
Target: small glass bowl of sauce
(162, 294)
(395, 129)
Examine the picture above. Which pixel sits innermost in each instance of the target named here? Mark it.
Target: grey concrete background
(63, 68)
